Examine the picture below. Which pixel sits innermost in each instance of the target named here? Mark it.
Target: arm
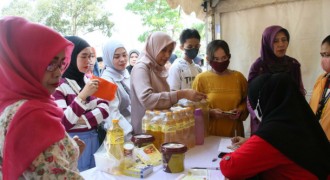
(141, 80)
(238, 165)
(96, 114)
(58, 161)
(242, 107)
(77, 109)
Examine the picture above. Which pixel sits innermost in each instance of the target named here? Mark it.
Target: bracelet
(81, 101)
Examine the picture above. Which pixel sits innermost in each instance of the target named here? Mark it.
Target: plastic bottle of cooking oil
(115, 140)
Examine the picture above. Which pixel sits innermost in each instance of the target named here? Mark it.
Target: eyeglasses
(223, 58)
(53, 66)
(325, 55)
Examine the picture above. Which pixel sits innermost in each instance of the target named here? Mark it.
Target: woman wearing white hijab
(115, 60)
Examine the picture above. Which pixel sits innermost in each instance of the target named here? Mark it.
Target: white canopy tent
(241, 23)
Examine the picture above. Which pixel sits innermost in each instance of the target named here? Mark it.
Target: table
(199, 156)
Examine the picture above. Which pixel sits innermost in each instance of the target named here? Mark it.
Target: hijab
(274, 63)
(131, 52)
(156, 42)
(73, 72)
(26, 49)
(289, 124)
(109, 50)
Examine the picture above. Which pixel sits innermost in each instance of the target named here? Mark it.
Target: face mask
(219, 66)
(191, 53)
(325, 63)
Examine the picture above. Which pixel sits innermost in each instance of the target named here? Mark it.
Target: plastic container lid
(173, 148)
(198, 112)
(139, 139)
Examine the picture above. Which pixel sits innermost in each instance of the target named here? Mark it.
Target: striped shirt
(93, 111)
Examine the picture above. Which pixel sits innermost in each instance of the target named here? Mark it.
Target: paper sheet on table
(224, 143)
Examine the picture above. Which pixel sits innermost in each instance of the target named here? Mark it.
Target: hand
(80, 143)
(191, 95)
(217, 113)
(236, 142)
(236, 115)
(90, 88)
(81, 121)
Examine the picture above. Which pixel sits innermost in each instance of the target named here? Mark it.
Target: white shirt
(182, 74)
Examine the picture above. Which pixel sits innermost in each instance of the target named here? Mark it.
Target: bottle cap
(198, 112)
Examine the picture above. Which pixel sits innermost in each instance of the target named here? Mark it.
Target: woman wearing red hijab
(33, 142)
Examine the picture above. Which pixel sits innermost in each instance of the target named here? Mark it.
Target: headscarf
(131, 52)
(155, 43)
(26, 49)
(109, 50)
(73, 72)
(275, 64)
(289, 124)
(268, 62)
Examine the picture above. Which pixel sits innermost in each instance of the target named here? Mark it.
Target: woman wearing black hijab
(83, 112)
(289, 144)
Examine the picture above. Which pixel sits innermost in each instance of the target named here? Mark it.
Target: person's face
(191, 43)
(219, 56)
(85, 60)
(53, 73)
(325, 51)
(133, 58)
(101, 65)
(120, 59)
(165, 54)
(280, 44)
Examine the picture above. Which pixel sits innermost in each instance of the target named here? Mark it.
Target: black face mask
(191, 53)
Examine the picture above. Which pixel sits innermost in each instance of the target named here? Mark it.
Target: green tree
(156, 16)
(22, 8)
(69, 17)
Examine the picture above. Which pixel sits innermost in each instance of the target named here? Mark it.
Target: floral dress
(59, 161)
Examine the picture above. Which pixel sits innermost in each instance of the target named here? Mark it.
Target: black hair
(326, 40)
(99, 59)
(214, 46)
(189, 34)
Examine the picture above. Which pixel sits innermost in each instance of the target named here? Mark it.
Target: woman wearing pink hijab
(33, 142)
(149, 88)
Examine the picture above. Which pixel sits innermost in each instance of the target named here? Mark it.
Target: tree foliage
(156, 16)
(69, 17)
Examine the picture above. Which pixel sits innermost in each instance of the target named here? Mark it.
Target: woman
(133, 56)
(273, 59)
(149, 89)
(33, 142)
(226, 91)
(115, 60)
(319, 100)
(82, 111)
(95, 68)
(289, 144)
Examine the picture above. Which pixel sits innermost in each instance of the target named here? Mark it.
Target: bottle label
(116, 139)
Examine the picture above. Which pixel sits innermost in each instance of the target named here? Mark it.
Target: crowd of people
(51, 122)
